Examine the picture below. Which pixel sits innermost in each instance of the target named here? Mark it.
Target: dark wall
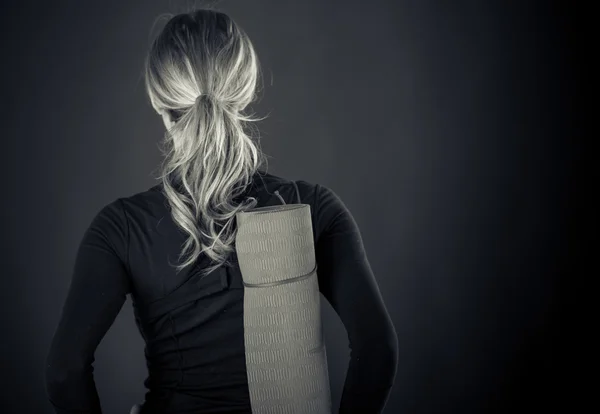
(445, 127)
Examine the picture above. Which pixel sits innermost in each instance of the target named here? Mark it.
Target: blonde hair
(202, 71)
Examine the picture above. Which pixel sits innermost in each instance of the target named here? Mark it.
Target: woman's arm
(347, 282)
(98, 289)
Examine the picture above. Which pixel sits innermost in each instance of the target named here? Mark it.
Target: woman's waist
(230, 397)
(205, 389)
(213, 369)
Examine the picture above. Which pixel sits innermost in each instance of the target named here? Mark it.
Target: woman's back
(193, 326)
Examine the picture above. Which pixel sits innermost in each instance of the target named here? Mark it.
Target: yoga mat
(285, 353)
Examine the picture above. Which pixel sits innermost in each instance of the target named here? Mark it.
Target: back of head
(200, 74)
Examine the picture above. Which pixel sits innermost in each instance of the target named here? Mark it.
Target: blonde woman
(178, 236)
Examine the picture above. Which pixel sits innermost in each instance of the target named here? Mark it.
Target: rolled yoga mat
(285, 353)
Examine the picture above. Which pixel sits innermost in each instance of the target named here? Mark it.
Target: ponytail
(209, 159)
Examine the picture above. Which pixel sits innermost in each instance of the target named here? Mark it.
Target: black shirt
(195, 351)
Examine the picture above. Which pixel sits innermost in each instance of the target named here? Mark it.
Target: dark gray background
(445, 127)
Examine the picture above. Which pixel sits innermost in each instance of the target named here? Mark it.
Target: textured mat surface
(285, 353)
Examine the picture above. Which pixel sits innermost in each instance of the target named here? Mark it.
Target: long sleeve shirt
(195, 350)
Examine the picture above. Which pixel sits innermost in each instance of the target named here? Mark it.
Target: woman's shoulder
(327, 206)
(151, 201)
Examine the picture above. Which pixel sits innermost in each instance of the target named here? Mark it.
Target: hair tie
(206, 96)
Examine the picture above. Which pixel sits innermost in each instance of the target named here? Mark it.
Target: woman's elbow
(60, 376)
(383, 343)
(388, 348)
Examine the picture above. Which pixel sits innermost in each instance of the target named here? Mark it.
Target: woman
(200, 74)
